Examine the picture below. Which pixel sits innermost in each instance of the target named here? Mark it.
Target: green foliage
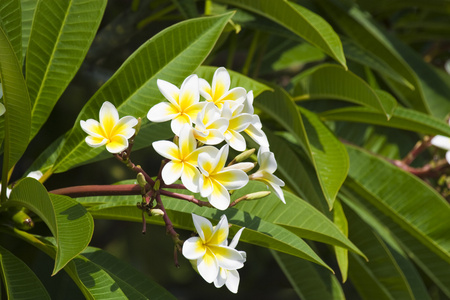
(344, 90)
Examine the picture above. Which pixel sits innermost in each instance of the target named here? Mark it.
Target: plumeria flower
(209, 126)
(209, 249)
(238, 122)
(183, 159)
(220, 90)
(215, 180)
(254, 128)
(2, 107)
(442, 142)
(230, 277)
(267, 166)
(183, 105)
(110, 131)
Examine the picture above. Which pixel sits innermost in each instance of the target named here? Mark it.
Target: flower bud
(157, 185)
(243, 156)
(141, 180)
(22, 220)
(156, 212)
(257, 195)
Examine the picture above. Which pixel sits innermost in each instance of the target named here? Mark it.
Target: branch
(98, 190)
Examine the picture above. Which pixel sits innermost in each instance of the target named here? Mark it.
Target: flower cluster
(206, 120)
(221, 118)
(215, 260)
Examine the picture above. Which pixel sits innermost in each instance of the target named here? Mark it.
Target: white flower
(210, 248)
(183, 159)
(238, 122)
(110, 131)
(183, 105)
(215, 180)
(35, 174)
(267, 166)
(442, 142)
(209, 126)
(254, 128)
(220, 90)
(230, 277)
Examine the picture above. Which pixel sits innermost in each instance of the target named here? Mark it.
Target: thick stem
(185, 197)
(98, 190)
(418, 148)
(429, 170)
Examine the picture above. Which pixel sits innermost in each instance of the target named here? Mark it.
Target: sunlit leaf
(61, 34)
(11, 21)
(133, 90)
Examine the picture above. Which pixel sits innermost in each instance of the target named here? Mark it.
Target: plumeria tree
(285, 148)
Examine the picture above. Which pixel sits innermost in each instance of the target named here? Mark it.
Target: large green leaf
(28, 8)
(17, 103)
(334, 82)
(385, 228)
(237, 79)
(11, 22)
(419, 210)
(403, 118)
(329, 156)
(365, 33)
(69, 222)
(340, 219)
(300, 21)
(19, 281)
(296, 215)
(382, 264)
(309, 282)
(171, 55)
(61, 34)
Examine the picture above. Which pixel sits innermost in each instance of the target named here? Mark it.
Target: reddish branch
(98, 190)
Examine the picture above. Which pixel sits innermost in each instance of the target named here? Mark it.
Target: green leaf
(329, 156)
(135, 95)
(70, 223)
(61, 34)
(237, 79)
(387, 230)
(381, 265)
(11, 21)
(389, 189)
(334, 82)
(308, 281)
(301, 21)
(28, 8)
(297, 57)
(296, 215)
(371, 38)
(19, 281)
(403, 118)
(17, 104)
(356, 53)
(340, 220)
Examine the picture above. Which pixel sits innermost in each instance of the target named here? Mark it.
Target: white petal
(193, 248)
(236, 238)
(162, 112)
(108, 116)
(220, 234)
(2, 108)
(118, 144)
(221, 278)
(228, 258)
(205, 89)
(208, 267)
(93, 128)
(179, 122)
(125, 126)
(172, 172)
(257, 135)
(235, 140)
(166, 149)
(266, 160)
(203, 227)
(189, 92)
(219, 198)
(441, 142)
(169, 91)
(447, 156)
(205, 186)
(220, 159)
(237, 94)
(248, 104)
(35, 174)
(220, 83)
(187, 142)
(232, 179)
(232, 282)
(95, 142)
(190, 177)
